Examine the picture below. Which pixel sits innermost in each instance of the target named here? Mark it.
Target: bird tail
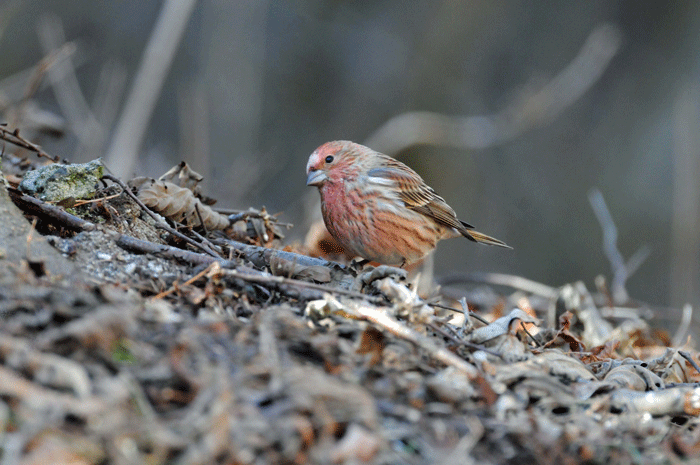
(484, 239)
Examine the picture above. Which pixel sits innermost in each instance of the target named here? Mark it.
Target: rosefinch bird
(380, 209)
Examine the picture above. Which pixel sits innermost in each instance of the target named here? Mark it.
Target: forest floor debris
(156, 350)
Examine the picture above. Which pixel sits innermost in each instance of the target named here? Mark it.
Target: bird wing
(416, 194)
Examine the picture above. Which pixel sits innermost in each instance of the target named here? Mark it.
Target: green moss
(58, 182)
(121, 352)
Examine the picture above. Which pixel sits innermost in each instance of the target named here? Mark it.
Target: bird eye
(329, 159)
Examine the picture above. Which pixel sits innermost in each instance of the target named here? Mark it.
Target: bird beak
(316, 178)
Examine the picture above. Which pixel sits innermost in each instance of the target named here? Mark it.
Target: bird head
(329, 162)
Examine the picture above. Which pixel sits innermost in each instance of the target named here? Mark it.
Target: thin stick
(156, 218)
(528, 112)
(382, 318)
(194, 278)
(471, 314)
(153, 68)
(53, 57)
(65, 83)
(690, 359)
(139, 245)
(199, 215)
(500, 279)
(683, 327)
(617, 263)
(14, 138)
(266, 279)
(532, 338)
(471, 345)
(84, 202)
(37, 207)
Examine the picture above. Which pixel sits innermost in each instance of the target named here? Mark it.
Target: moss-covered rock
(59, 182)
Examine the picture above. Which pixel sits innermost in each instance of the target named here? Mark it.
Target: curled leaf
(184, 176)
(500, 327)
(178, 204)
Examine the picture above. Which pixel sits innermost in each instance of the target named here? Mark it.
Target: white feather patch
(389, 206)
(380, 180)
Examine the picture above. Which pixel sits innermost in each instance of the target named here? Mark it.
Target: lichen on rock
(58, 182)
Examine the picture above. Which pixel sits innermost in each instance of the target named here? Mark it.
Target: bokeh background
(540, 102)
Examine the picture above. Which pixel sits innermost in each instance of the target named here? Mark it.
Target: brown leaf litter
(220, 347)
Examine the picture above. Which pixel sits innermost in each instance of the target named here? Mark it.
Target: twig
(467, 324)
(199, 216)
(153, 68)
(621, 270)
(499, 279)
(141, 246)
(270, 279)
(54, 57)
(100, 199)
(65, 82)
(14, 138)
(617, 263)
(157, 219)
(539, 107)
(683, 327)
(200, 237)
(194, 278)
(38, 207)
(471, 345)
(237, 215)
(382, 318)
(637, 258)
(261, 256)
(456, 310)
(690, 360)
(532, 338)
(685, 207)
(193, 258)
(258, 256)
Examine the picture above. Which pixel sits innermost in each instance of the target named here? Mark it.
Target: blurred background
(511, 110)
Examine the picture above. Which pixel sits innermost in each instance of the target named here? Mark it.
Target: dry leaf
(178, 204)
(500, 327)
(184, 176)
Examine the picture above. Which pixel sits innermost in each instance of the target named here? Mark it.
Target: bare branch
(685, 222)
(147, 85)
(530, 111)
(683, 327)
(14, 138)
(617, 263)
(160, 223)
(500, 279)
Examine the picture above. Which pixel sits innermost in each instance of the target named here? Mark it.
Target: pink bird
(378, 208)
